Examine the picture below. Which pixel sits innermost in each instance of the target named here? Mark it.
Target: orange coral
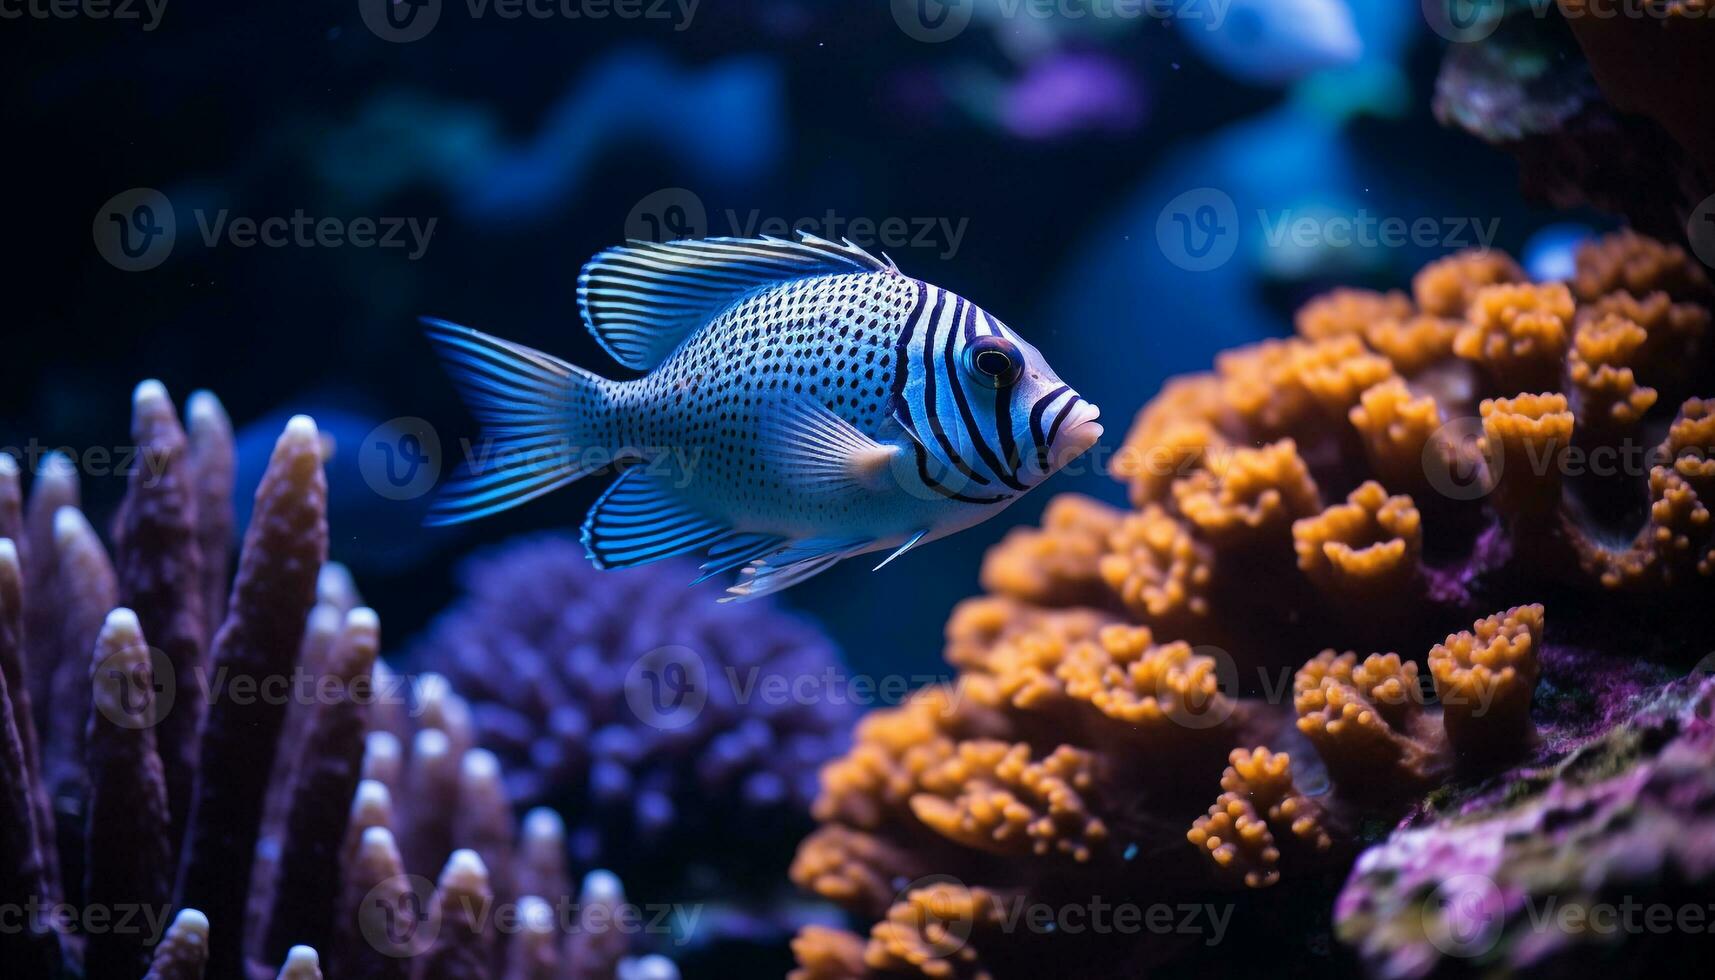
(1349, 311)
(1484, 678)
(994, 797)
(1401, 466)
(1365, 719)
(928, 933)
(1157, 569)
(1601, 368)
(827, 954)
(1674, 333)
(1367, 547)
(1153, 457)
(1524, 440)
(1414, 343)
(1253, 497)
(1446, 287)
(1396, 427)
(1058, 565)
(1629, 262)
(1518, 332)
(1238, 831)
(849, 867)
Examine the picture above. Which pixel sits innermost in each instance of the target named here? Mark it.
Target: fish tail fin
(545, 423)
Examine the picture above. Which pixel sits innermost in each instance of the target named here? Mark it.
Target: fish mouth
(1077, 434)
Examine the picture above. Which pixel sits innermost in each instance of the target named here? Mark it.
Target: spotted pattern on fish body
(804, 402)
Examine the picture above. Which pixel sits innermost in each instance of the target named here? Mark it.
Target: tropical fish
(805, 402)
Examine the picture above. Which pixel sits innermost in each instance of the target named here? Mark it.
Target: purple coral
(263, 739)
(557, 660)
(1595, 856)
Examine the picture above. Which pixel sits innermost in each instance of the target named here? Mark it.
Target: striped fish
(804, 402)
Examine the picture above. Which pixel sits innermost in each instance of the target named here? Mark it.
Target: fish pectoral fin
(641, 300)
(816, 450)
(644, 517)
(791, 565)
(910, 543)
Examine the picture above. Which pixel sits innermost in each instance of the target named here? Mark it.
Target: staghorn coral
(237, 786)
(554, 666)
(1411, 475)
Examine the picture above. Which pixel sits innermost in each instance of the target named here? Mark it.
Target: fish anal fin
(791, 565)
(644, 518)
(910, 543)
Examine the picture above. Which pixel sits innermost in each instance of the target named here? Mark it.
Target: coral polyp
(247, 779)
(1365, 572)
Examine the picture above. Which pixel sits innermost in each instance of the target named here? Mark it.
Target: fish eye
(994, 361)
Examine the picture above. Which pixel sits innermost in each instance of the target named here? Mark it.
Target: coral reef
(244, 783)
(1603, 104)
(1595, 862)
(1469, 478)
(579, 697)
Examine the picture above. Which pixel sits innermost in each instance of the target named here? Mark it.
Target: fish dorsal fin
(642, 299)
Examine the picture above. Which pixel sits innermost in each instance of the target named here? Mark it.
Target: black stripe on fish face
(902, 371)
(1003, 413)
(1040, 438)
(1054, 429)
(930, 410)
(956, 381)
(902, 351)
